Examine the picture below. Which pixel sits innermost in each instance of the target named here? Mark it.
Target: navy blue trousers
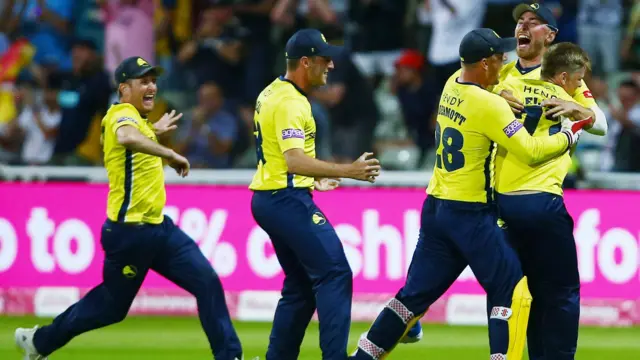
(130, 252)
(317, 274)
(541, 229)
(453, 235)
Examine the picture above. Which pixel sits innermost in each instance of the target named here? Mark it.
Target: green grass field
(158, 338)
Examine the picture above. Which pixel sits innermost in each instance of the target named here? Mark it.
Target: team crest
(535, 6)
(318, 218)
(142, 62)
(129, 271)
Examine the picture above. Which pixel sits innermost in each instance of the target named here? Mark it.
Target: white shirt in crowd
(449, 27)
(37, 148)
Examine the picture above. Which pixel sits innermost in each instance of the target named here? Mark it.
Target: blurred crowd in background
(57, 59)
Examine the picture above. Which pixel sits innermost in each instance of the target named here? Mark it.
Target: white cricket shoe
(24, 340)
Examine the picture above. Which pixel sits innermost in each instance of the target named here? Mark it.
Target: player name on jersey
(538, 92)
(449, 112)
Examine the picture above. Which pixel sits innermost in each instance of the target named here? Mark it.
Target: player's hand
(166, 123)
(365, 168)
(514, 103)
(573, 129)
(557, 107)
(180, 164)
(327, 184)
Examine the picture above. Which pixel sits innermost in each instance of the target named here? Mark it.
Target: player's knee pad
(517, 318)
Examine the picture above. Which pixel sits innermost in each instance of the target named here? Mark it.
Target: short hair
(120, 92)
(292, 64)
(564, 57)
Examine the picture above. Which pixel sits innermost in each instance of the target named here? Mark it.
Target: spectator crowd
(57, 59)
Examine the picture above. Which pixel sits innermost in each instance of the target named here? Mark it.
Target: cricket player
(317, 275)
(137, 237)
(459, 223)
(531, 205)
(535, 31)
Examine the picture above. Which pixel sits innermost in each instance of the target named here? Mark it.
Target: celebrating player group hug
(504, 135)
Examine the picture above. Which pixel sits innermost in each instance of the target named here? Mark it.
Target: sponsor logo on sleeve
(292, 134)
(512, 128)
(126, 118)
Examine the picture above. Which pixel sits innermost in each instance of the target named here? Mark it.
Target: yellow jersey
(470, 120)
(282, 121)
(511, 173)
(136, 180)
(513, 70)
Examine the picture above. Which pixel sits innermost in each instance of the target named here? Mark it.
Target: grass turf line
(159, 338)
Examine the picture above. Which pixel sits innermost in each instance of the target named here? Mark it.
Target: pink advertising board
(49, 239)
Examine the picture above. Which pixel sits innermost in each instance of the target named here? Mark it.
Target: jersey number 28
(257, 132)
(452, 141)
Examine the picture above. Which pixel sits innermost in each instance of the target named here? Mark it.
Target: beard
(531, 51)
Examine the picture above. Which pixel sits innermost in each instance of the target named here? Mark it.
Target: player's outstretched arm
(132, 139)
(556, 107)
(510, 134)
(600, 125)
(584, 97)
(365, 168)
(292, 117)
(528, 149)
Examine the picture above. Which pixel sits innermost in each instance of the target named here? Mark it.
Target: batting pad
(519, 319)
(392, 324)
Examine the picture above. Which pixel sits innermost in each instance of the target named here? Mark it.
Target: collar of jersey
(467, 83)
(524, 70)
(143, 117)
(282, 78)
